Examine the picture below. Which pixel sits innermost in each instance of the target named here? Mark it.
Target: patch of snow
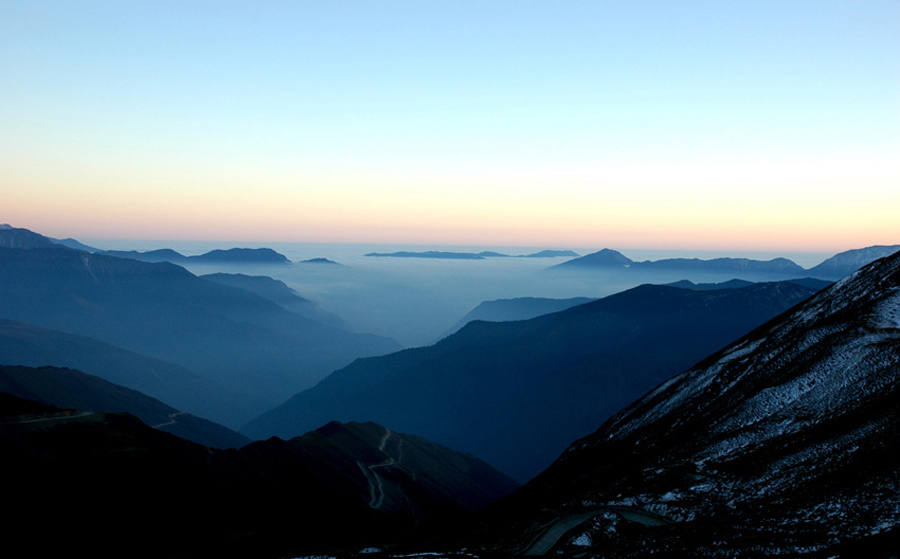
(741, 350)
(887, 315)
(584, 540)
(670, 496)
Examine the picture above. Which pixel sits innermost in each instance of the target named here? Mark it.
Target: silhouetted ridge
(67, 388)
(517, 393)
(229, 256)
(106, 485)
(845, 263)
(236, 338)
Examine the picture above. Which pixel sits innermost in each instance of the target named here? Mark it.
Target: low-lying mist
(416, 300)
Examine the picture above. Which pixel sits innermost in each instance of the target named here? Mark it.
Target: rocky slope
(784, 444)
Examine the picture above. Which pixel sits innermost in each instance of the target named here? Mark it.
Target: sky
(659, 125)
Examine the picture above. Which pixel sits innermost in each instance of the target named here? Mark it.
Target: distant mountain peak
(602, 258)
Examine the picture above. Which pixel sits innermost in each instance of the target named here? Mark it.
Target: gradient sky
(714, 125)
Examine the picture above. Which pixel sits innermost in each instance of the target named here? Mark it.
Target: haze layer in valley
(416, 301)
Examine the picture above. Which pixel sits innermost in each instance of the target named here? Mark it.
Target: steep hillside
(784, 444)
(517, 393)
(32, 346)
(67, 388)
(106, 485)
(845, 263)
(231, 336)
(520, 308)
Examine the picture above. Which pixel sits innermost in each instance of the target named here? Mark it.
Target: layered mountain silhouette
(228, 256)
(279, 293)
(783, 444)
(25, 344)
(517, 393)
(812, 283)
(519, 308)
(606, 258)
(68, 388)
(845, 263)
(834, 268)
(231, 336)
(14, 237)
(105, 485)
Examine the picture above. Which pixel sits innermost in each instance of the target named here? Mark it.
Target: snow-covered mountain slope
(783, 444)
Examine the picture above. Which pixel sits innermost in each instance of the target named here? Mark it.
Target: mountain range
(107, 485)
(228, 256)
(782, 444)
(777, 438)
(72, 389)
(519, 308)
(832, 268)
(232, 337)
(517, 393)
(29, 345)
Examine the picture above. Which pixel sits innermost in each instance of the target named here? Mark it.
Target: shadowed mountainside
(520, 308)
(25, 344)
(517, 393)
(782, 444)
(67, 388)
(229, 335)
(106, 485)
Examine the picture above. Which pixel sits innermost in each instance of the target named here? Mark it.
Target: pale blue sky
(646, 123)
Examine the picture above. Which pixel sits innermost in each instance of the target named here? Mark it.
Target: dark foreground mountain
(67, 388)
(517, 393)
(106, 485)
(783, 444)
(229, 335)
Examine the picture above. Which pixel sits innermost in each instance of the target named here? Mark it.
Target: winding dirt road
(551, 536)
